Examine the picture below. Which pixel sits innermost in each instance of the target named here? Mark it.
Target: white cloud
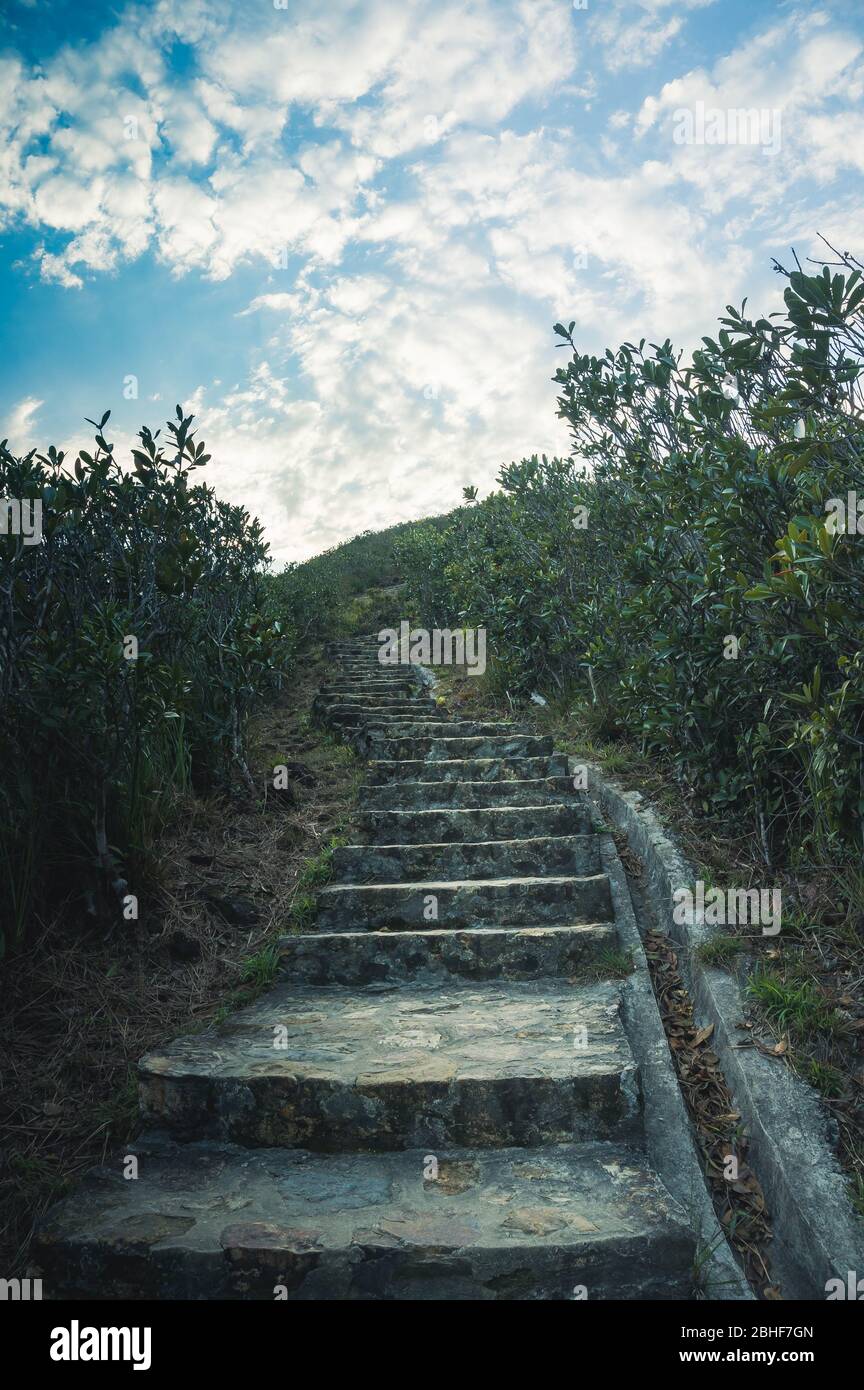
(789, 71)
(284, 302)
(18, 424)
(113, 110)
(420, 169)
(632, 33)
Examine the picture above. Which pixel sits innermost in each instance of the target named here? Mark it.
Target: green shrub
(705, 491)
(96, 740)
(314, 597)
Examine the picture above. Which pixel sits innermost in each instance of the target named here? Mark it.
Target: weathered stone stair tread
(495, 769)
(463, 823)
(211, 1221)
(368, 687)
(468, 902)
(444, 728)
(518, 791)
(362, 706)
(487, 1065)
(441, 748)
(474, 953)
(375, 701)
(539, 856)
(346, 717)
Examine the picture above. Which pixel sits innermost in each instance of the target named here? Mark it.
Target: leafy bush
(314, 596)
(95, 740)
(707, 493)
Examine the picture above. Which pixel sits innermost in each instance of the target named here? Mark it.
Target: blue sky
(341, 232)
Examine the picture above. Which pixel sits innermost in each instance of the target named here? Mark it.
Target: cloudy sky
(341, 230)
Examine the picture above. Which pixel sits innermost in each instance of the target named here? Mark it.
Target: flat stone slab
(449, 825)
(434, 794)
(450, 748)
(531, 858)
(465, 903)
(346, 709)
(342, 706)
(364, 685)
(482, 953)
(211, 1221)
(333, 1070)
(508, 768)
(442, 726)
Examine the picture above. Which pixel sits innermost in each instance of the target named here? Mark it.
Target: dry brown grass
(75, 1014)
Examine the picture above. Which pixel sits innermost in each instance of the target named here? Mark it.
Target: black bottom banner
(63, 1339)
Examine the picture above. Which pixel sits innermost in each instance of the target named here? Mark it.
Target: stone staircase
(438, 1100)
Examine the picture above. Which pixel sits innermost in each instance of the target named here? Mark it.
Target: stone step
(357, 658)
(510, 902)
(369, 656)
(371, 682)
(382, 772)
(367, 645)
(374, 672)
(379, 701)
(355, 694)
(391, 690)
(447, 747)
(534, 858)
(368, 659)
(369, 673)
(428, 957)
(434, 795)
(350, 712)
(443, 726)
(414, 699)
(349, 724)
(450, 825)
(491, 1065)
(213, 1221)
(348, 669)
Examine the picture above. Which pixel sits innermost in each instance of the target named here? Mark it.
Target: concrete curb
(672, 1150)
(817, 1234)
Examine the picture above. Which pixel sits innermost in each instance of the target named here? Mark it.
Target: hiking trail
(439, 1098)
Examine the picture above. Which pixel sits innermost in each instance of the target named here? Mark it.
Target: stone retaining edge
(671, 1147)
(817, 1234)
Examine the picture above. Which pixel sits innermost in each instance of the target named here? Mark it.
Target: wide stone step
(488, 1065)
(444, 726)
(466, 903)
(362, 660)
(365, 646)
(433, 795)
(449, 747)
(450, 825)
(368, 694)
(416, 703)
(533, 858)
(351, 711)
(429, 957)
(366, 668)
(381, 772)
(213, 1221)
(373, 673)
(355, 696)
(361, 683)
